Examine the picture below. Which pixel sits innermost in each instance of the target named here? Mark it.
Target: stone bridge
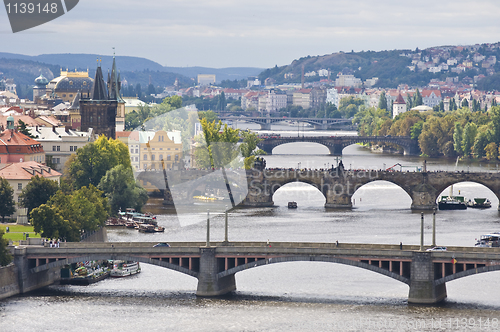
(216, 265)
(266, 122)
(337, 143)
(338, 186)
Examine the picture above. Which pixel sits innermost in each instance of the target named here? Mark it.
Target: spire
(114, 84)
(99, 88)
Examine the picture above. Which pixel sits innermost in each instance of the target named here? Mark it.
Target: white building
(332, 97)
(348, 80)
(59, 143)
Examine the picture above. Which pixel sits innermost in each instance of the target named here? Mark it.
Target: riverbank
(18, 232)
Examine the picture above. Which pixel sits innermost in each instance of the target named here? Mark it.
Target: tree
(249, 148)
(468, 138)
(491, 151)
(457, 138)
(418, 99)
(382, 102)
(37, 192)
(121, 189)
(66, 216)
(7, 204)
(5, 257)
(49, 222)
(22, 127)
(480, 143)
(94, 159)
(221, 147)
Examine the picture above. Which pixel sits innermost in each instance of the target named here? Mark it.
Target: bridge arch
(469, 272)
(371, 183)
(297, 190)
(405, 278)
(141, 259)
(444, 188)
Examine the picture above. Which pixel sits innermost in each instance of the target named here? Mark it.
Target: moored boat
(489, 240)
(123, 268)
(479, 203)
(452, 203)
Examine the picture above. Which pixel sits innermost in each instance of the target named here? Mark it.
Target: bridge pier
(30, 281)
(265, 126)
(423, 289)
(208, 282)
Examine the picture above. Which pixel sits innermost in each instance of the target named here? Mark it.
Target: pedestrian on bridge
(400, 245)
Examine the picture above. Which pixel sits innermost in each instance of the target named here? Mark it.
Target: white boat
(489, 240)
(124, 269)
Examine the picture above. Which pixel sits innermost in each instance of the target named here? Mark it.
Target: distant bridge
(337, 187)
(337, 143)
(215, 265)
(266, 122)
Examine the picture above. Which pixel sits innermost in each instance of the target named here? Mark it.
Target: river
(293, 296)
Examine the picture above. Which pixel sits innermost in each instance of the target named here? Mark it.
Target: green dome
(41, 80)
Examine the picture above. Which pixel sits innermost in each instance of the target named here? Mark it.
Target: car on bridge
(161, 244)
(437, 249)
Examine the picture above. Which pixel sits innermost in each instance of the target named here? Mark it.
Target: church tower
(399, 106)
(99, 111)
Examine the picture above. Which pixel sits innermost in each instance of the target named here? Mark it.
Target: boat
(292, 205)
(83, 275)
(489, 240)
(452, 202)
(146, 228)
(479, 203)
(124, 269)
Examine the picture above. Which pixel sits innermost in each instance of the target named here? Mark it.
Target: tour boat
(123, 268)
(489, 240)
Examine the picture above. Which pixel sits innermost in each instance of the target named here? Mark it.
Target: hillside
(133, 69)
(412, 67)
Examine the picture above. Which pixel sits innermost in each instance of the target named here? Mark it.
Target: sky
(257, 33)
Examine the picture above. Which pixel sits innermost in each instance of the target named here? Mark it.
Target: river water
(293, 296)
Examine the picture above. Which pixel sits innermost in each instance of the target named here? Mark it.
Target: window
(153, 157)
(20, 186)
(168, 157)
(145, 157)
(136, 150)
(75, 147)
(161, 157)
(58, 148)
(176, 157)
(136, 158)
(53, 148)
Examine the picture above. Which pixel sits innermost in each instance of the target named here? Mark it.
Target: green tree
(37, 192)
(7, 204)
(480, 143)
(249, 148)
(94, 159)
(382, 102)
(121, 189)
(465, 103)
(5, 257)
(221, 147)
(457, 138)
(468, 138)
(491, 151)
(418, 99)
(49, 222)
(23, 128)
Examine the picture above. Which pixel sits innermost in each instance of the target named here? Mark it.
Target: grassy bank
(16, 232)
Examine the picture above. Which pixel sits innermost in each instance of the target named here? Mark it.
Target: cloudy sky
(257, 33)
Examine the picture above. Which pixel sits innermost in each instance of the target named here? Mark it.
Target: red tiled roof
(26, 170)
(12, 139)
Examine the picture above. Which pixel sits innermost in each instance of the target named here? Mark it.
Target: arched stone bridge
(339, 186)
(337, 143)
(266, 122)
(215, 266)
